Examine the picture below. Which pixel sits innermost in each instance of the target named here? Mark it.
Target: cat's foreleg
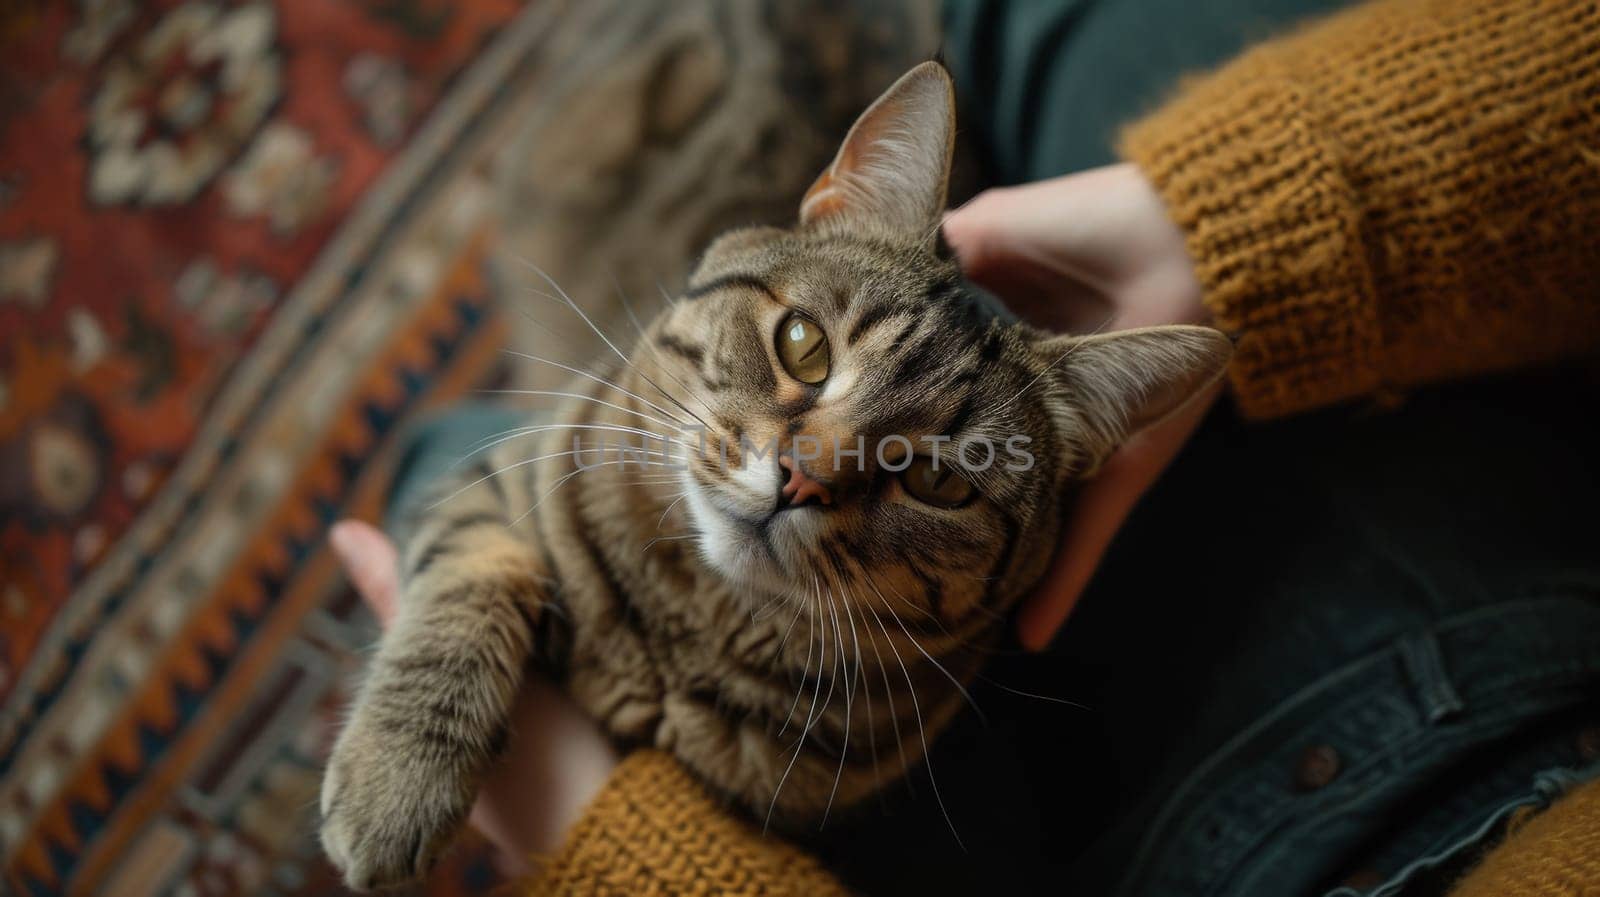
(433, 710)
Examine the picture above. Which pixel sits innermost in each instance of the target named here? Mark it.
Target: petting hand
(1088, 251)
(558, 760)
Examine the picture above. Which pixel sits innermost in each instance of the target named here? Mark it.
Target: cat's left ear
(1106, 387)
(891, 174)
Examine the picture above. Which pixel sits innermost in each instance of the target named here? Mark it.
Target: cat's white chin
(737, 550)
(744, 562)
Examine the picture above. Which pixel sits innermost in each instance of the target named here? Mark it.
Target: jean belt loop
(1424, 664)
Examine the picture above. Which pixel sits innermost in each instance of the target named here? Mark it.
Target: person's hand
(1087, 251)
(558, 758)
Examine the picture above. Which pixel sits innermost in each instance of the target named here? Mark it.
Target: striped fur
(798, 661)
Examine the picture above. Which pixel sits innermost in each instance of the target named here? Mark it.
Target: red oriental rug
(241, 243)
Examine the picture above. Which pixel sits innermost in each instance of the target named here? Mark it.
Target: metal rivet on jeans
(1319, 765)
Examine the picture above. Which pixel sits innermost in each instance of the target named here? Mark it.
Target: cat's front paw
(390, 804)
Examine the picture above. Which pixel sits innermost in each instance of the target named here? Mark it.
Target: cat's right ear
(892, 172)
(1106, 387)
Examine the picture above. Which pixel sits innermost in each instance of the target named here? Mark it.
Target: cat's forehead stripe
(871, 317)
(738, 279)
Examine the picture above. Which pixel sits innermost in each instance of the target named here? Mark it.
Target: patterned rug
(241, 244)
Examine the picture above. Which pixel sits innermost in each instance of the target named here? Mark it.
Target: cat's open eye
(942, 488)
(803, 349)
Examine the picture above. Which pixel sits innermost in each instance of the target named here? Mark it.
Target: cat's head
(877, 430)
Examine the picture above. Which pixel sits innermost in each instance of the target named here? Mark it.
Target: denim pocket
(1408, 756)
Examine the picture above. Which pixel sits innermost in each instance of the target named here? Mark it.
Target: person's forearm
(1404, 193)
(653, 830)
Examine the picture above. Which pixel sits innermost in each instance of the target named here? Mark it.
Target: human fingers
(371, 562)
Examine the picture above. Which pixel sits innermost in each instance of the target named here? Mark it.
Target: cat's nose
(801, 489)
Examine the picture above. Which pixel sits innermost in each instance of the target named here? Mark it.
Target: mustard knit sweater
(1404, 193)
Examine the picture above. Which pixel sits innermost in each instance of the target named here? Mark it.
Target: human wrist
(1168, 269)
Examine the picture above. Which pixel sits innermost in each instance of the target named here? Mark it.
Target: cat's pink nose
(801, 488)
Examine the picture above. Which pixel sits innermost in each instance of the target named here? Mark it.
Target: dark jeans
(1337, 648)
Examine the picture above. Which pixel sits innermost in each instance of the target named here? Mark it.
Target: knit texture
(1552, 854)
(654, 830)
(1403, 193)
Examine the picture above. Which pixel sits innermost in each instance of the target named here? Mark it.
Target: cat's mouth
(758, 530)
(754, 550)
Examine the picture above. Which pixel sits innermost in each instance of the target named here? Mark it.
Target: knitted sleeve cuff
(654, 830)
(1274, 228)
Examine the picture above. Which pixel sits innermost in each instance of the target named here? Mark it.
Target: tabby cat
(773, 581)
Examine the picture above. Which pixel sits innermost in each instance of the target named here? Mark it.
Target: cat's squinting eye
(803, 349)
(942, 488)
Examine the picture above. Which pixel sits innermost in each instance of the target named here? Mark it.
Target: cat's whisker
(643, 449)
(920, 611)
(645, 340)
(833, 679)
(506, 469)
(930, 658)
(683, 424)
(888, 691)
(778, 651)
(757, 614)
(848, 707)
(804, 668)
(582, 398)
(667, 295)
(667, 539)
(1047, 368)
(560, 337)
(566, 301)
(1028, 694)
(681, 496)
(811, 715)
(941, 668)
(669, 474)
(520, 432)
(773, 607)
(613, 346)
(956, 643)
(563, 339)
(866, 687)
(922, 732)
(939, 224)
(488, 441)
(846, 600)
(563, 481)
